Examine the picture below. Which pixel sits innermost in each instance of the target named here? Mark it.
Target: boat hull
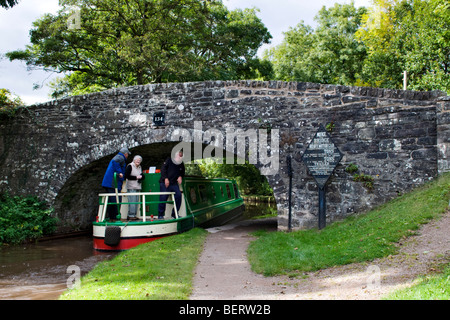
(132, 234)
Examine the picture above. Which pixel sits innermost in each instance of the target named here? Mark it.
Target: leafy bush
(24, 218)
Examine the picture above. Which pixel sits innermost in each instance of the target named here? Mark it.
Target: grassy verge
(159, 270)
(357, 239)
(430, 287)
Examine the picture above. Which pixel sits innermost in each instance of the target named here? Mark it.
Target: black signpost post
(289, 168)
(322, 208)
(321, 158)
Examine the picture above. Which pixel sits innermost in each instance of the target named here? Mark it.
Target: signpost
(321, 158)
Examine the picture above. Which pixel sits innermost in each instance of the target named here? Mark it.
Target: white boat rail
(105, 197)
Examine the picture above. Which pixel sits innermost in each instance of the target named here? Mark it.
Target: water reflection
(256, 209)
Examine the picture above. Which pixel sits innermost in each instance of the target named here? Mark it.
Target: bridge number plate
(159, 118)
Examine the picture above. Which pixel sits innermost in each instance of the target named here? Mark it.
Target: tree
(8, 102)
(290, 58)
(337, 51)
(8, 3)
(427, 59)
(407, 35)
(132, 42)
(328, 54)
(247, 176)
(376, 32)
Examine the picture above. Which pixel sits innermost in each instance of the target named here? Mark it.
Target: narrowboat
(205, 203)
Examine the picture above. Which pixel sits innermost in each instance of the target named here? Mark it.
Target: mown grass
(159, 270)
(356, 239)
(429, 287)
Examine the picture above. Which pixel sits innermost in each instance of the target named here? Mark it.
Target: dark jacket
(117, 164)
(171, 171)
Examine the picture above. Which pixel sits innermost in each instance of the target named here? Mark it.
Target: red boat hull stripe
(125, 243)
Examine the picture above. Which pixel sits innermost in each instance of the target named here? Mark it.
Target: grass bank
(429, 287)
(356, 239)
(159, 270)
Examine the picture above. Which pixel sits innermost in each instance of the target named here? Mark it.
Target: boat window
(221, 190)
(213, 191)
(202, 191)
(228, 191)
(193, 195)
(236, 194)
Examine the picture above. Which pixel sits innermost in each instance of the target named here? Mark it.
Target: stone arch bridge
(59, 150)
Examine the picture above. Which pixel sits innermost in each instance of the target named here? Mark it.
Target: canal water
(42, 271)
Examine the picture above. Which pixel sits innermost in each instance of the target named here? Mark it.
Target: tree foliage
(128, 42)
(8, 3)
(371, 46)
(328, 54)
(8, 102)
(101, 44)
(408, 35)
(248, 177)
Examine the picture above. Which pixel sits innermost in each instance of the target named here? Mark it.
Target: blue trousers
(132, 207)
(162, 206)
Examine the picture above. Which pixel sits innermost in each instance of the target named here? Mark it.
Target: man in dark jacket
(116, 165)
(172, 173)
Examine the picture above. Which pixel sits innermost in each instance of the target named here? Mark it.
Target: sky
(15, 24)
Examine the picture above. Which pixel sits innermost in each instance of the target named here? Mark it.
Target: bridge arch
(397, 137)
(76, 203)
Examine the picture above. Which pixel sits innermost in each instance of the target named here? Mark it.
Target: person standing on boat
(116, 165)
(172, 174)
(134, 176)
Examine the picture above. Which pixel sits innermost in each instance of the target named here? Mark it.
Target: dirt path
(223, 271)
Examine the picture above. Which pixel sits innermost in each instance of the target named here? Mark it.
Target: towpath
(223, 271)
